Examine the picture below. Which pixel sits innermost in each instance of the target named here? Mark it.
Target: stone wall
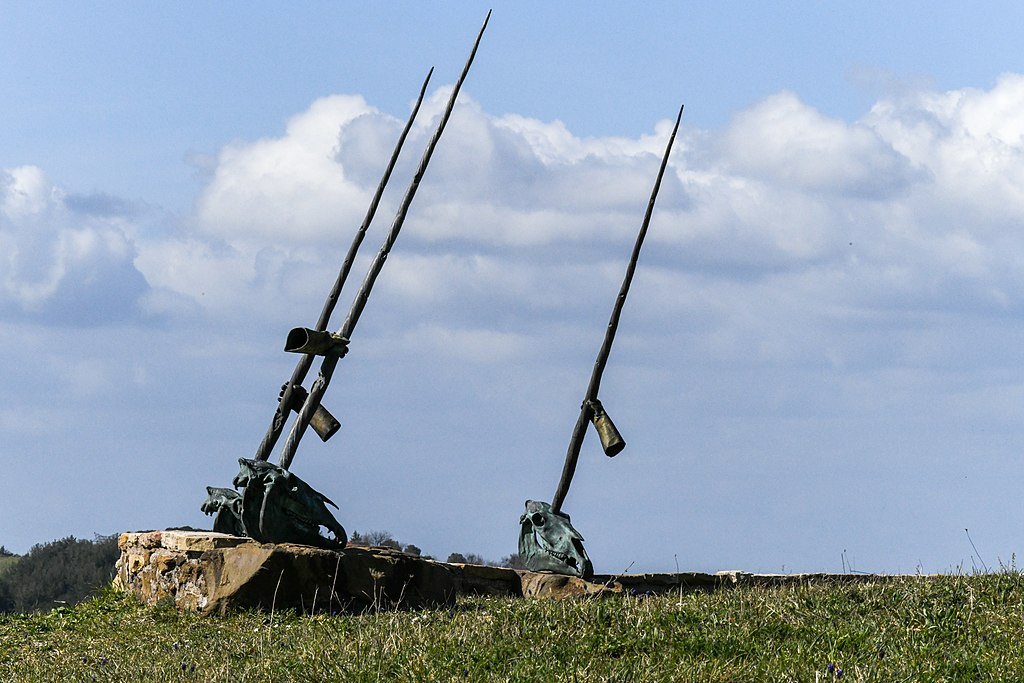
(208, 572)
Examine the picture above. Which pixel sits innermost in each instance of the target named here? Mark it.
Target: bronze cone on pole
(611, 441)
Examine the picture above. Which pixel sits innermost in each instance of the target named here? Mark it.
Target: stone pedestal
(208, 572)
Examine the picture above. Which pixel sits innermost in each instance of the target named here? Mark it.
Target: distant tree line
(384, 539)
(60, 572)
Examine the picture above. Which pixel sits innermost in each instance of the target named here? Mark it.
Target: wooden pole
(580, 430)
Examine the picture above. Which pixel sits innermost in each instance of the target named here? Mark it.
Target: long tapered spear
(293, 392)
(591, 407)
(330, 361)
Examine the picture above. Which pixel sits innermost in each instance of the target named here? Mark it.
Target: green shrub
(7, 561)
(65, 571)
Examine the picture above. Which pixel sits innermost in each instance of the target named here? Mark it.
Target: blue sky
(819, 365)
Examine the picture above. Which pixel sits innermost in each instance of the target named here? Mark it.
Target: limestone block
(652, 584)
(207, 572)
(476, 579)
(561, 587)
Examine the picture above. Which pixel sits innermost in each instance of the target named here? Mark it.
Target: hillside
(922, 629)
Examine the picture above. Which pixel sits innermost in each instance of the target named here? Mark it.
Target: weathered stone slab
(650, 584)
(739, 578)
(478, 579)
(559, 587)
(207, 572)
(562, 587)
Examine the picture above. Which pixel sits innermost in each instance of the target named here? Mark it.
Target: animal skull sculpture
(275, 506)
(548, 542)
(226, 505)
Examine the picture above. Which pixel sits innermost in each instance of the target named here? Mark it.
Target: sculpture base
(209, 572)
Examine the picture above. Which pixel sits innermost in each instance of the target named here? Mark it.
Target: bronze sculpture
(547, 540)
(226, 507)
(275, 505)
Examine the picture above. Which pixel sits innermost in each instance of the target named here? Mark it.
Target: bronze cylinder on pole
(611, 440)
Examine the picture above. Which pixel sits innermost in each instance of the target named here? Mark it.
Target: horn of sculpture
(536, 541)
(275, 505)
(586, 411)
(293, 395)
(330, 360)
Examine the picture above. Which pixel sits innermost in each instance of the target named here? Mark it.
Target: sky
(818, 368)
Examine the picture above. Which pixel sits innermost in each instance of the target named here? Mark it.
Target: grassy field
(953, 628)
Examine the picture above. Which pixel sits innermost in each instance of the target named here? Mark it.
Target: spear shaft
(291, 393)
(330, 361)
(586, 410)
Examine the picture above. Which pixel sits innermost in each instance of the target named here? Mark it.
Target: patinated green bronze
(548, 542)
(546, 546)
(226, 507)
(275, 506)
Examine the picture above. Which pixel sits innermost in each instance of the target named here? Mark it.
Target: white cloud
(504, 181)
(509, 293)
(459, 345)
(197, 269)
(292, 187)
(58, 260)
(970, 143)
(519, 222)
(788, 144)
(914, 205)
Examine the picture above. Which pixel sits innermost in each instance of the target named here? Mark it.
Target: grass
(950, 628)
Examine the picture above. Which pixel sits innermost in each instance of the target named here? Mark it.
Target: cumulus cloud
(506, 180)
(289, 187)
(970, 143)
(783, 141)
(68, 257)
(783, 215)
(914, 205)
